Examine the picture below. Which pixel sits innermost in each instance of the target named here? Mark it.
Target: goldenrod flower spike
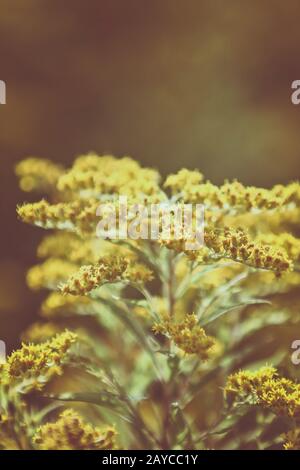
(35, 364)
(69, 246)
(70, 432)
(292, 440)
(187, 335)
(37, 174)
(282, 241)
(78, 216)
(93, 175)
(232, 197)
(91, 276)
(137, 273)
(234, 244)
(107, 270)
(267, 389)
(59, 305)
(183, 180)
(50, 273)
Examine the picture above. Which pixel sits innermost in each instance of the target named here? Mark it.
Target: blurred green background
(193, 83)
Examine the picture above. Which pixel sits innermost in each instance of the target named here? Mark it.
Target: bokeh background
(198, 83)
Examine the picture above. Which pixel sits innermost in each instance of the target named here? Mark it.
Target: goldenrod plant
(144, 343)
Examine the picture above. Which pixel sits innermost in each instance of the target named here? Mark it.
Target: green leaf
(189, 281)
(135, 327)
(103, 398)
(222, 311)
(220, 291)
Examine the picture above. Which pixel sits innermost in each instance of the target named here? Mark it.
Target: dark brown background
(173, 83)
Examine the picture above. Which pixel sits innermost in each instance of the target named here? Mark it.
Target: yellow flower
(94, 275)
(71, 247)
(93, 176)
(283, 241)
(235, 244)
(68, 246)
(50, 274)
(79, 216)
(107, 270)
(137, 273)
(37, 174)
(267, 389)
(183, 180)
(35, 364)
(187, 335)
(57, 304)
(292, 440)
(232, 197)
(70, 432)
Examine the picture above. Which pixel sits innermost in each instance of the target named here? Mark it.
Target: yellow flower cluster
(68, 246)
(50, 273)
(39, 332)
(37, 174)
(183, 181)
(92, 176)
(36, 364)
(234, 244)
(267, 389)
(187, 335)
(79, 215)
(280, 220)
(57, 304)
(107, 270)
(94, 275)
(70, 432)
(231, 196)
(292, 440)
(284, 241)
(137, 273)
